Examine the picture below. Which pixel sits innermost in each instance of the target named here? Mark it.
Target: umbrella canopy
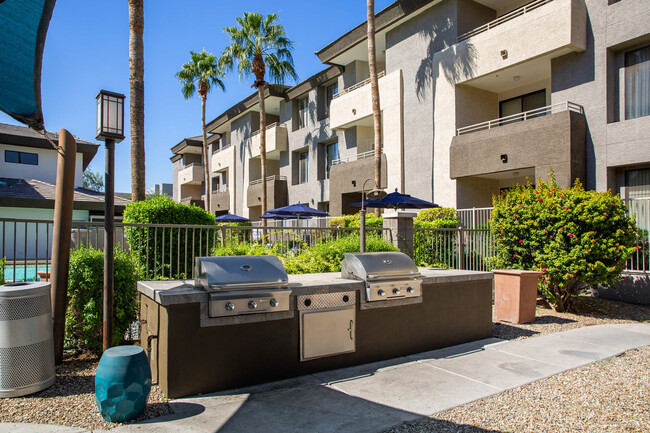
(285, 217)
(230, 218)
(396, 200)
(23, 26)
(298, 210)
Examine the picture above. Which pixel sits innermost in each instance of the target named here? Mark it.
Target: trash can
(26, 342)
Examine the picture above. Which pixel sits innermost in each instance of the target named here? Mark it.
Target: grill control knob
(273, 302)
(396, 291)
(410, 290)
(381, 292)
(230, 306)
(252, 305)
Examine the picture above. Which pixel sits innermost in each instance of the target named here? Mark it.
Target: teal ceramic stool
(122, 383)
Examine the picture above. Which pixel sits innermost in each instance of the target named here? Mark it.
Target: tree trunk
(260, 94)
(374, 91)
(206, 161)
(136, 98)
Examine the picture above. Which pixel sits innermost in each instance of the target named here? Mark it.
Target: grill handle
(275, 283)
(407, 274)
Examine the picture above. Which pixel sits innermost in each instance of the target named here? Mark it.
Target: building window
(330, 91)
(303, 167)
(332, 154)
(21, 157)
(520, 104)
(302, 113)
(637, 183)
(637, 83)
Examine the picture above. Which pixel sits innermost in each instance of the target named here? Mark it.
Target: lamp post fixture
(110, 129)
(374, 194)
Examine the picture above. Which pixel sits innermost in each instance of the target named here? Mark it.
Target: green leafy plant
(354, 221)
(166, 251)
(83, 324)
(435, 248)
(576, 238)
(2, 270)
(437, 214)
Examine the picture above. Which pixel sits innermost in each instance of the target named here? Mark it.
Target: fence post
(460, 251)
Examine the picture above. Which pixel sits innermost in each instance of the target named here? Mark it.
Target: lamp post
(110, 129)
(373, 194)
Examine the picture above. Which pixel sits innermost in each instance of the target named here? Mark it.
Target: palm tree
(374, 92)
(136, 98)
(257, 44)
(204, 71)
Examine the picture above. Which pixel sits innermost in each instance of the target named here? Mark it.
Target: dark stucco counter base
(191, 353)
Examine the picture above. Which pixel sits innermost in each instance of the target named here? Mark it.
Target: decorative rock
(122, 383)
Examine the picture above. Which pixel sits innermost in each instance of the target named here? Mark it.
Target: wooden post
(61, 237)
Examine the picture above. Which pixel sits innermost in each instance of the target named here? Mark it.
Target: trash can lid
(13, 290)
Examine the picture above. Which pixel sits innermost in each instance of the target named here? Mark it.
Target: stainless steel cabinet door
(327, 332)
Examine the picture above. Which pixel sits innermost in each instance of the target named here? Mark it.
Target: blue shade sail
(23, 26)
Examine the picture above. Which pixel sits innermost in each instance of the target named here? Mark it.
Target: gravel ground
(71, 400)
(612, 395)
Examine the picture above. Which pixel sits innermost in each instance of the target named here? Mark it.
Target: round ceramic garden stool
(122, 383)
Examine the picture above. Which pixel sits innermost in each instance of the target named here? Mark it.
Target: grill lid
(378, 266)
(239, 273)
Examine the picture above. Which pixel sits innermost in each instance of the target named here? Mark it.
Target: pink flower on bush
(544, 270)
(540, 199)
(521, 240)
(514, 255)
(570, 235)
(566, 207)
(516, 216)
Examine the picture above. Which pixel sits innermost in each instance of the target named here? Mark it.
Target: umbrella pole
(362, 228)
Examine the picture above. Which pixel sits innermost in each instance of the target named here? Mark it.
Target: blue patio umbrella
(396, 200)
(283, 217)
(298, 210)
(230, 218)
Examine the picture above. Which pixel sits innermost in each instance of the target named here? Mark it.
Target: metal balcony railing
(272, 125)
(224, 147)
(537, 112)
(220, 190)
(504, 18)
(193, 164)
(356, 86)
(356, 157)
(268, 179)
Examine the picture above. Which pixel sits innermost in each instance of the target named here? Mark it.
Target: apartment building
(475, 96)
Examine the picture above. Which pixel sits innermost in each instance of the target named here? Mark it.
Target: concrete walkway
(375, 397)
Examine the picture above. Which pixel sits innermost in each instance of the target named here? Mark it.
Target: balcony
(539, 31)
(276, 141)
(353, 106)
(348, 176)
(223, 158)
(191, 174)
(548, 136)
(276, 192)
(220, 200)
(191, 200)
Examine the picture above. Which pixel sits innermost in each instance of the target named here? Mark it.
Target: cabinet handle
(350, 330)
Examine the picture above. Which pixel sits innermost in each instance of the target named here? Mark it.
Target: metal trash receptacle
(26, 340)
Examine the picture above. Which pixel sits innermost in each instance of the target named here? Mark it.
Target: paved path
(375, 397)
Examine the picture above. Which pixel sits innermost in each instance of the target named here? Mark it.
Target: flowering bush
(576, 238)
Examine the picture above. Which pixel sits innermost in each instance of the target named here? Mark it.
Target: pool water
(19, 272)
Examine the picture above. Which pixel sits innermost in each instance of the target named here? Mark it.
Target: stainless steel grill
(388, 275)
(243, 284)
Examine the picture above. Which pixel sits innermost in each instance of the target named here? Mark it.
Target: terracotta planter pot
(515, 295)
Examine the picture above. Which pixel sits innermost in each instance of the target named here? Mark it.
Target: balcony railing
(224, 147)
(537, 112)
(356, 157)
(268, 179)
(356, 86)
(220, 190)
(272, 125)
(504, 18)
(190, 200)
(193, 164)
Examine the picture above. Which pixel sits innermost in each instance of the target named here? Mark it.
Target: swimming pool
(19, 271)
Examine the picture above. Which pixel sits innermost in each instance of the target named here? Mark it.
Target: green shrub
(434, 248)
(83, 324)
(436, 214)
(355, 221)
(164, 251)
(2, 270)
(576, 238)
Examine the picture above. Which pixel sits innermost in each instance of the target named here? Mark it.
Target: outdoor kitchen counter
(193, 353)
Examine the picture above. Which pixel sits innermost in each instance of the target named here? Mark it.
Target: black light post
(373, 194)
(110, 129)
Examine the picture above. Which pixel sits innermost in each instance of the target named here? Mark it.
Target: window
(637, 183)
(332, 154)
(303, 167)
(21, 157)
(330, 91)
(302, 113)
(637, 83)
(520, 104)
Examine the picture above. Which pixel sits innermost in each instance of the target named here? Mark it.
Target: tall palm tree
(136, 97)
(202, 74)
(259, 43)
(374, 92)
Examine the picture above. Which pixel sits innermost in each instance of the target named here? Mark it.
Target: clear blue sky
(87, 50)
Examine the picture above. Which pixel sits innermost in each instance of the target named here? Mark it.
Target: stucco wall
(45, 170)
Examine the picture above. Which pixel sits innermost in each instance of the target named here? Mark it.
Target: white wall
(45, 170)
